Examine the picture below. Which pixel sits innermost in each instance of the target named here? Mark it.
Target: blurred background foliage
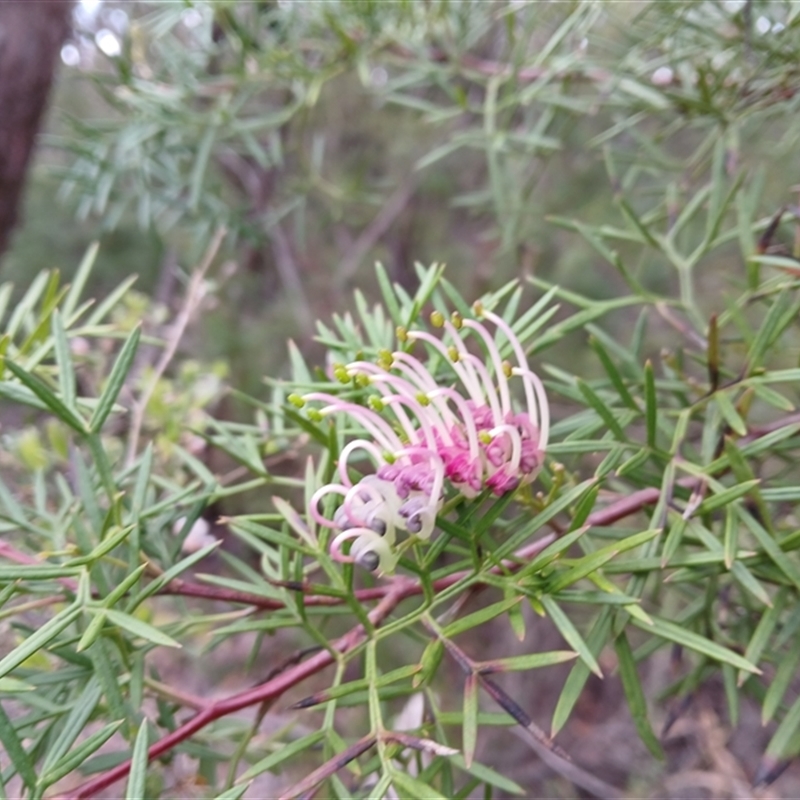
(328, 135)
(611, 148)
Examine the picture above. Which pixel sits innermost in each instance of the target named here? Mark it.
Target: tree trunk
(31, 35)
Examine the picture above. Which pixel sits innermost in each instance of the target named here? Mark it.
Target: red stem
(390, 595)
(400, 588)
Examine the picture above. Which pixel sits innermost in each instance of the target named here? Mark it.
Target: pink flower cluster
(422, 436)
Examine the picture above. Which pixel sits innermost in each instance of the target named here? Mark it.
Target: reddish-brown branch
(390, 595)
(400, 589)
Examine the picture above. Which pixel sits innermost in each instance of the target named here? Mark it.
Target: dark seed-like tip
(369, 560)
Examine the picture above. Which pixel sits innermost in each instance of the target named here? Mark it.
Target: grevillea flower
(423, 436)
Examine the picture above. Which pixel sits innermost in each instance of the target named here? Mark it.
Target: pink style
(423, 436)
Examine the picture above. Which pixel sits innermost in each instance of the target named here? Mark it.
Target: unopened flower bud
(385, 358)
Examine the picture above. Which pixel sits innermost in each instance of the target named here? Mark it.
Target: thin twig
(572, 772)
(333, 765)
(193, 298)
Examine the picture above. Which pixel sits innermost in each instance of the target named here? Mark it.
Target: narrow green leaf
(770, 547)
(730, 414)
(593, 561)
(784, 675)
(139, 628)
(627, 210)
(110, 301)
(694, 641)
(651, 403)
(731, 693)
(771, 327)
(142, 481)
(113, 538)
(573, 496)
(723, 498)
(673, 539)
(413, 787)
(526, 662)
(730, 537)
(751, 583)
(637, 704)
(12, 685)
(173, 572)
(15, 752)
(613, 373)
(516, 620)
(48, 397)
(137, 777)
(429, 662)
(23, 572)
(23, 308)
(487, 775)
(633, 463)
(287, 751)
(108, 669)
(295, 521)
(93, 630)
(602, 409)
(576, 680)
(234, 793)
(763, 633)
(66, 372)
(39, 639)
(200, 164)
(124, 587)
(75, 723)
(387, 292)
(6, 290)
(773, 398)
(115, 380)
(479, 617)
(78, 756)
(359, 685)
(778, 746)
(73, 296)
(469, 730)
(570, 633)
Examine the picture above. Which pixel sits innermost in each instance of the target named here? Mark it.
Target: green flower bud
(385, 358)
